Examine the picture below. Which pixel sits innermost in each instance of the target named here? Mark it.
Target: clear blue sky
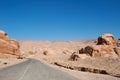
(59, 19)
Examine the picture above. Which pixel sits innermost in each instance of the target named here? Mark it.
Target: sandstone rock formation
(118, 42)
(98, 51)
(4, 36)
(117, 51)
(45, 52)
(74, 57)
(107, 39)
(48, 52)
(8, 47)
(106, 46)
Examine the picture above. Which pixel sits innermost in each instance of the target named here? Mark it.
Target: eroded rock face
(117, 51)
(107, 39)
(98, 51)
(4, 36)
(87, 50)
(107, 46)
(118, 42)
(74, 57)
(8, 47)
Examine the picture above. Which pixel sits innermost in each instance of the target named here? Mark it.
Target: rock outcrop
(4, 36)
(106, 46)
(8, 47)
(107, 39)
(98, 51)
(117, 51)
(74, 57)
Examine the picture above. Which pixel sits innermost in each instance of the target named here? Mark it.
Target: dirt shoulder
(9, 62)
(81, 75)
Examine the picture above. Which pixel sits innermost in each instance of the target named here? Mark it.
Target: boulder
(48, 52)
(8, 47)
(45, 52)
(107, 39)
(74, 57)
(88, 50)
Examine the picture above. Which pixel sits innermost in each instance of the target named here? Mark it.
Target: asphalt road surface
(32, 69)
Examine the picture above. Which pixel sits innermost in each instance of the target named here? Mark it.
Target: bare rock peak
(8, 47)
(107, 39)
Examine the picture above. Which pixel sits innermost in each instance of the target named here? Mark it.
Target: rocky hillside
(9, 48)
(106, 46)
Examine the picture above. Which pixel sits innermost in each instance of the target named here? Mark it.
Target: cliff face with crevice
(8, 48)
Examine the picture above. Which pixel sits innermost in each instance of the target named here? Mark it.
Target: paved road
(32, 69)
